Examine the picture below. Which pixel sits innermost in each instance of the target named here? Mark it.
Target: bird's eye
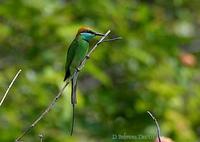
(91, 32)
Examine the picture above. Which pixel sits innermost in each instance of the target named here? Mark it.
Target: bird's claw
(87, 57)
(78, 69)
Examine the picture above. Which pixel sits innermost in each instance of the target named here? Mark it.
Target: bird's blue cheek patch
(87, 36)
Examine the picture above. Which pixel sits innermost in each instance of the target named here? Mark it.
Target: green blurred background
(155, 67)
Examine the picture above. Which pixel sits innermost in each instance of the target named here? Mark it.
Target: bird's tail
(73, 91)
(73, 99)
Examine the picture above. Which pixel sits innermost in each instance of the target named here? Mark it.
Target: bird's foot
(78, 69)
(87, 57)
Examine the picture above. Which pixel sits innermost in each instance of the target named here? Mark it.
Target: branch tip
(157, 125)
(2, 100)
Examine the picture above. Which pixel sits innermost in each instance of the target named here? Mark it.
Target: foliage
(147, 70)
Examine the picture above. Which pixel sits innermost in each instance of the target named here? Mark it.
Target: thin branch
(61, 91)
(157, 125)
(44, 113)
(10, 87)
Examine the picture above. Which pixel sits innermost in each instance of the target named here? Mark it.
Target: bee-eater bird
(76, 53)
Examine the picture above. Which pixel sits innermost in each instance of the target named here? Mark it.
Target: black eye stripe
(88, 31)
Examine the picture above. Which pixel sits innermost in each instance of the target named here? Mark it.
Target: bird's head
(87, 34)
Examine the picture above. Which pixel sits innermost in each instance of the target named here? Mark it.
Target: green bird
(76, 53)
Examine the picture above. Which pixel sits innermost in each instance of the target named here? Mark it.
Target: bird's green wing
(70, 56)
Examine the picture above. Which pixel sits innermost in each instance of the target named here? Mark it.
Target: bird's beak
(99, 34)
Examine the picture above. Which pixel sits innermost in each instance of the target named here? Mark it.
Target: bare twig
(61, 91)
(10, 87)
(157, 125)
